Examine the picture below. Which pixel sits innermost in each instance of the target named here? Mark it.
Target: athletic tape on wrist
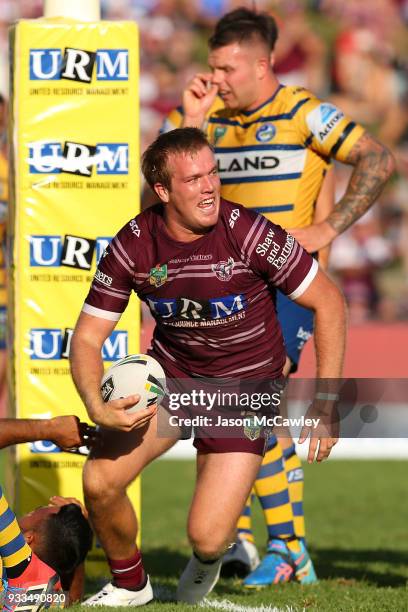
(327, 396)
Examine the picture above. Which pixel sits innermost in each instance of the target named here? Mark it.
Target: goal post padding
(74, 182)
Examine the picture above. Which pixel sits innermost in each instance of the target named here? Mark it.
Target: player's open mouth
(207, 205)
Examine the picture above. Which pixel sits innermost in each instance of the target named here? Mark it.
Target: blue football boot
(304, 570)
(276, 566)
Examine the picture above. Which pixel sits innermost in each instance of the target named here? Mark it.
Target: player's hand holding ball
(114, 414)
(131, 388)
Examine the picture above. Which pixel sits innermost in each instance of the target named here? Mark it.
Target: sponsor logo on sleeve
(322, 120)
(281, 259)
(267, 243)
(234, 216)
(276, 255)
(134, 228)
(102, 278)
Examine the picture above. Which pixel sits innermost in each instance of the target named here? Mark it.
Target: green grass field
(357, 531)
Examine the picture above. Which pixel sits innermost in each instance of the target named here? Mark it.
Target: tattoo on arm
(373, 165)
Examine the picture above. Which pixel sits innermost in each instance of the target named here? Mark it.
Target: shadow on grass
(165, 566)
(164, 562)
(337, 563)
(330, 563)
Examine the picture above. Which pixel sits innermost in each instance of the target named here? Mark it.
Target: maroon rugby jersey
(211, 298)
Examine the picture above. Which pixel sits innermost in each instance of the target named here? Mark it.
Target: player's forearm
(373, 165)
(16, 431)
(330, 336)
(323, 208)
(87, 371)
(196, 121)
(323, 257)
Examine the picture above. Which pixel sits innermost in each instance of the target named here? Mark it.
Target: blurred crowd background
(351, 52)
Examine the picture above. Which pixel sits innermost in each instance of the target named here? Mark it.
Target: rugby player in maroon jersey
(206, 268)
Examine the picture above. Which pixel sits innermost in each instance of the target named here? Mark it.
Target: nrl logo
(219, 132)
(158, 275)
(252, 431)
(223, 269)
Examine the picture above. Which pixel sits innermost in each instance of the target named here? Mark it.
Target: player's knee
(208, 545)
(99, 487)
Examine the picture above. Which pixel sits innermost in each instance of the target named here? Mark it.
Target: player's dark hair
(154, 161)
(66, 538)
(243, 25)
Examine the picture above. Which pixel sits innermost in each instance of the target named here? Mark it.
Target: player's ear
(263, 66)
(29, 536)
(162, 192)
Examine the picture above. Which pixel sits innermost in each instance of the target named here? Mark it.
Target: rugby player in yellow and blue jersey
(273, 146)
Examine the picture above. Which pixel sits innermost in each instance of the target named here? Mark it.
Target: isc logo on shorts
(78, 158)
(53, 344)
(71, 251)
(79, 65)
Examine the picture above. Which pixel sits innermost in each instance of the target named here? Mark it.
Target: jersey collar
(268, 101)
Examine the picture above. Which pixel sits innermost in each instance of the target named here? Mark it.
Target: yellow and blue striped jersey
(13, 547)
(273, 158)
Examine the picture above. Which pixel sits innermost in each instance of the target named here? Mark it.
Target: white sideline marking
(225, 604)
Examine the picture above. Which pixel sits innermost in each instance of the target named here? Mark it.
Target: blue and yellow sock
(15, 553)
(295, 476)
(279, 486)
(272, 489)
(244, 526)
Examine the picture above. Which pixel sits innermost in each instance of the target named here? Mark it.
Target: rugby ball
(133, 374)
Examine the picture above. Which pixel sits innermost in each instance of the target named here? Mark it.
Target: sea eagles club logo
(223, 269)
(158, 275)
